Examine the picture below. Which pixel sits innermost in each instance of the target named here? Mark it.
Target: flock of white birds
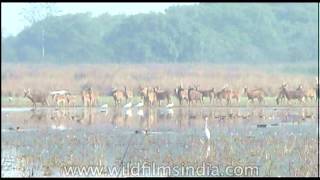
(127, 108)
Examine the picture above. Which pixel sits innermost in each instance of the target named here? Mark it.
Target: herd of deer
(191, 95)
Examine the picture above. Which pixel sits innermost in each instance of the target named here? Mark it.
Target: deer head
(181, 84)
(27, 92)
(245, 89)
(299, 87)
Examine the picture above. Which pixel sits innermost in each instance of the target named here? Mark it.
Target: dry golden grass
(16, 77)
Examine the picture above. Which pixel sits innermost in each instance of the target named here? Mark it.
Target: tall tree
(36, 12)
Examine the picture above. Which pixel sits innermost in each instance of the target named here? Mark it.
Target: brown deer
(118, 96)
(60, 99)
(298, 94)
(88, 97)
(162, 95)
(151, 96)
(207, 93)
(235, 94)
(182, 94)
(71, 99)
(194, 96)
(255, 94)
(143, 93)
(85, 98)
(39, 97)
(128, 94)
(224, 93)
(309, 93)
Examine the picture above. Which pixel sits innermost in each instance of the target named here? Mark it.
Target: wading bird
(129, 105)
(170, 105)
(140, 104)
(104, 107)
(140, 112)
(207, 130)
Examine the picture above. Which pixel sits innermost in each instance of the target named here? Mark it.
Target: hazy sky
(12, 22)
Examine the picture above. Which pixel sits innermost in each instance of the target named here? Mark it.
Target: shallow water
(278, 140)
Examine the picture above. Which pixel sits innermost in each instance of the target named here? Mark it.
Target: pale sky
(12, 23)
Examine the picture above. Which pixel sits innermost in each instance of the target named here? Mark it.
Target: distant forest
(205, 32)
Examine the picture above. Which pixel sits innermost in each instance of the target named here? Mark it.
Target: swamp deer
(128, 94)
(182, 94)
(143, 93)
(194, 96)
(151, 96)
(71, 99)
(235, 94)
(224, 93)
(58, 92)
(309, 93)
(60, 99)
(162, 95)
(38, 97)
(118, 95)
(207, 93)
(298, 94)
(255, 94)
(88, 97)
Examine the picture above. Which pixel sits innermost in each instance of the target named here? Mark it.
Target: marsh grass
(16, 77)
(268, 153)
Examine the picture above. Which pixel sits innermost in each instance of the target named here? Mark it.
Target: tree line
(204, 32)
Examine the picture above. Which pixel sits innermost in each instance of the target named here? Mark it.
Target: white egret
(128, 112)
(140, 104)
(58, 127)
(129, 105)
(170, 111)
(104, 108)
(61, 127)
(60, 92)
(207, 130)
(208, 151)
(170, 105)
(140, 112)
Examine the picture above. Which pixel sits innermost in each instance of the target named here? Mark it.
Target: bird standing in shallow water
(104, 107)
(207, 132)
(140, 104)
(129, 105)
(140, 112)
(170, 105)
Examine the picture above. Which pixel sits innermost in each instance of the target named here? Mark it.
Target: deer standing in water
(38, 97)
(88, 97)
